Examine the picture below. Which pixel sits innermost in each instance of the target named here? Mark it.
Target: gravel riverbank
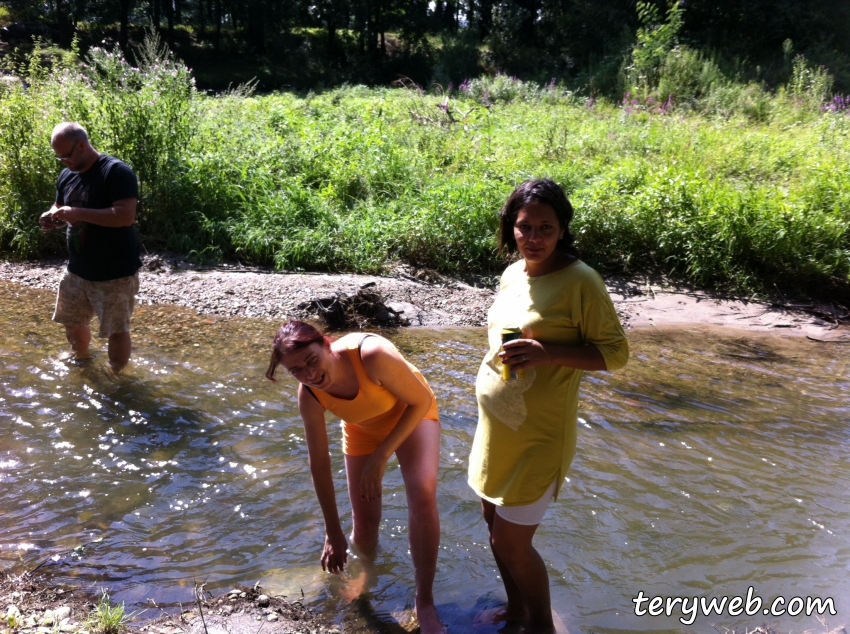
(425, 298)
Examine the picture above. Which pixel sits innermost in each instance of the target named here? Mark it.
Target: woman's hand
(525, 353)
(335, 553)
(528, 353)
(371, 479)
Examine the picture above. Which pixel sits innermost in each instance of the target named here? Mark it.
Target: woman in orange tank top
(386, 407)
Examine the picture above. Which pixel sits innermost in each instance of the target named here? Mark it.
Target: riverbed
(714, 462)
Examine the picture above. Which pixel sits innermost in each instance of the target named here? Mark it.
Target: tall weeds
(736, 188)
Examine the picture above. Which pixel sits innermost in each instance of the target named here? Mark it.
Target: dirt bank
(425, 298)
(33, 604)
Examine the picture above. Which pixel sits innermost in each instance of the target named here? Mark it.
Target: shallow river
(713, 463)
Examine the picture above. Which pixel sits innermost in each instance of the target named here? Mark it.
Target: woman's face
(537, 232)
(311, 365)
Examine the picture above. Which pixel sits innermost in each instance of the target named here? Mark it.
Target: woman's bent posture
(559, 309)
(386, 407)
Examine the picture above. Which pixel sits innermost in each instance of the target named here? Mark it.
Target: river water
(715, 462)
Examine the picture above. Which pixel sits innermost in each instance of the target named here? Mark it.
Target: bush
(744, 190)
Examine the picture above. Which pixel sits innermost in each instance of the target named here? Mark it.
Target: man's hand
(48, 220)
(335, 553)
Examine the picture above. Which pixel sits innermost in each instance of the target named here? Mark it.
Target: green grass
(741, 190)
(108, 617)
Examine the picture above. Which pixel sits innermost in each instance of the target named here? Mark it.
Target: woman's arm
(606, 346)
(335, 552)
(527, 353)
(385, 366)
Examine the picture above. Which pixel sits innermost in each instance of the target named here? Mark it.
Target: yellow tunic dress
(526, 434)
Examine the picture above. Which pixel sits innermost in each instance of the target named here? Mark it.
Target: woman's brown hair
(293, 336)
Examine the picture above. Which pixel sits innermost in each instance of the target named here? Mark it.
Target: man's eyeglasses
(69, 154)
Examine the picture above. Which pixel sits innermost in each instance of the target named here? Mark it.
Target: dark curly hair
(544, 191)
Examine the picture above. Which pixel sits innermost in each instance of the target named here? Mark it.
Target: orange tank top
(369, 417)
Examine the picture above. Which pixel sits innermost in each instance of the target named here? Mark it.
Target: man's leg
(119, 350)
(74, 311)
(113, 303)
(79, 337)
(419, 458)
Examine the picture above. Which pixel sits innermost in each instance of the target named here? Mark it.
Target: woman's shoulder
(514, 271)
(579, 270)
(353, 340)
(372, 345)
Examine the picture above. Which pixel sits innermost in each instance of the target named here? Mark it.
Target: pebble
(12, 612)
(62, 612)
(263, 600)
(272, 617)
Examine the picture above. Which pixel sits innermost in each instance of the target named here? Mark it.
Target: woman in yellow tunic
(386, 407)
(526, 434)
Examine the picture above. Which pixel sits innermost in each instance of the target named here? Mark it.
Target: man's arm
(122, 213)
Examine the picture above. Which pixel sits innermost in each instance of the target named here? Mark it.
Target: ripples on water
(713, 462)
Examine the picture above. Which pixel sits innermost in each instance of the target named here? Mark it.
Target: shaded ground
(421, 297)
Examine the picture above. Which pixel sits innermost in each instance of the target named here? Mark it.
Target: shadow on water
(713, 462)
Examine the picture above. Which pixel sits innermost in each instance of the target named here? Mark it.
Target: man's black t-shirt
(99, 253)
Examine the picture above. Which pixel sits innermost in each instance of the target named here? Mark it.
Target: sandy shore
(425, 298)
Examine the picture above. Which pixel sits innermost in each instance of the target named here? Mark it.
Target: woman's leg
(511, 544)
(419, 458)
(366, 521)
(366, 514)
(516, 609)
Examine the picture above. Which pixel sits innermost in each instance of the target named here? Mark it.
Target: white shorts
(528, 514)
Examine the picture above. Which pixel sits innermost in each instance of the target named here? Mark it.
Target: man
(96, 198)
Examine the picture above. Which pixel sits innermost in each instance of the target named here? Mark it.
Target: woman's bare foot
(494, 616)
(354, 588)
(429, 621)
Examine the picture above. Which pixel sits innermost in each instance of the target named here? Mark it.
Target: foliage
(740, 189)
(144, 114)
(108, 618)
(505, 89)
(655, 41)
(809, 86)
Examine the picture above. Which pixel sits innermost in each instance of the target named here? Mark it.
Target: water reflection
(714, 462)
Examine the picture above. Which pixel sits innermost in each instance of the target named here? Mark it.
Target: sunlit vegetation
(724, 184)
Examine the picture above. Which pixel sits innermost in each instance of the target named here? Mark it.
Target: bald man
(96, 198)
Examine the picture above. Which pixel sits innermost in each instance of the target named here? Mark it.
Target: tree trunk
(64, 23)
(202, 19)
(169, 14)
(485, 18)
(256, 26)
(217, 23)
(379, 27)
(123, 35)
(155, 13)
